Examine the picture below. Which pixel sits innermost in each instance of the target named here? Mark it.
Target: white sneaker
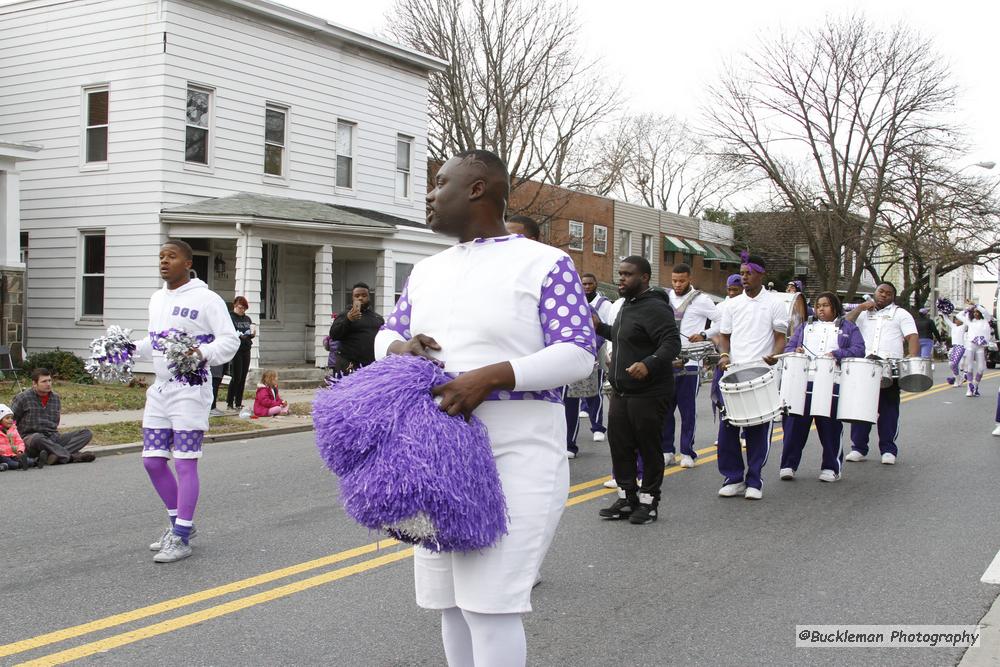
(970, 391)
(600, 437)
(854, 456)
(173, 550)
(733, 490)
(828, 476)
(889, 459)
(753, 494)
(786, 473)
(583, 413)
(570, 455)
(687, 461)
(996, 431)
(669, 460)
(610, 484)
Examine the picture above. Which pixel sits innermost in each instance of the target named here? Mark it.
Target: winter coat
(266, 398)
(11, 443)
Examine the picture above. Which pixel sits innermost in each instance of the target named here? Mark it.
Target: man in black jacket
(645, 340)
(356, 329)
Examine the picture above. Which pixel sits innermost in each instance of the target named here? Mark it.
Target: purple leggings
(180, 493)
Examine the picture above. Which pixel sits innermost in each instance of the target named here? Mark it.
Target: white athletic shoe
(786, 473)
(687, 461)
(733, 490)
(828, 476)
(753, 494)
(854, 456)
(570, 455)
(970, 391)
(611, 484)
(599, 436)
(158, 544)
(996, 431)
(889, 459)
(173, 550)
(583, 413)
(669, 460)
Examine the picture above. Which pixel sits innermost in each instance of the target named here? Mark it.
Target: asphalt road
(714, 582)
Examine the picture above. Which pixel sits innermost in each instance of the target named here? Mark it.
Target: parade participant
(885, 328)
(694, 312)
(646, 341)
(828, 335)
(592, 407)
(753, 329)
(734, 287)
(355, 329)
(525, 226)
(956, 355)
(240, 365)
(927, 332)
(508, 317)
(977, 337)
(176, 414)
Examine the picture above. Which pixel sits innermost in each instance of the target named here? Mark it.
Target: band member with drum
(885, 327)
(693, 310)
(753, 329)
(828, 335)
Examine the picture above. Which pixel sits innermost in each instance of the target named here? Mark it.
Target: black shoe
(643, 513)
(620, 509)
(40, 461)
(23, 460)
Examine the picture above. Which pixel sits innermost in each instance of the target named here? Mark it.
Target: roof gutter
(275, 223)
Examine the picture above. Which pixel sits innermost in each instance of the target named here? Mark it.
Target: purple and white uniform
(489, 301)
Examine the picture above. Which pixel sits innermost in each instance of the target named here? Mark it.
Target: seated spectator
(268, 403)
(37, 413)
(12, 452)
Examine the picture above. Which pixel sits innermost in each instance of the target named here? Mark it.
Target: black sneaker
(620, 509)
(23, 460)
(40, 461)
(643, 513)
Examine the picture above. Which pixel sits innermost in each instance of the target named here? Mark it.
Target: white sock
(497, 639)
(456, 638)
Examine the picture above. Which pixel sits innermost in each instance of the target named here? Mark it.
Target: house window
(275, 125)
(706, 263)
(600, 240)
(269, 281)
(24, 248)
(647, 247)
(802, 253)
(345, 154)
(197, 117)
(624, 243)
(97, 124)
(93, 275)
(575, 235)
(403, 148)
(402, 273)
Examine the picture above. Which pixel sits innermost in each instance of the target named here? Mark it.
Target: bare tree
(823, 115)
(517, 83)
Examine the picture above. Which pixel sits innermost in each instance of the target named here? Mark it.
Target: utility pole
(933, 286)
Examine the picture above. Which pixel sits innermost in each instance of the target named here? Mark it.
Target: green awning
(713, 252)
(696, 247)
(731, 256)
(674, 244)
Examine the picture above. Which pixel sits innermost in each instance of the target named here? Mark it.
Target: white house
(290, 152)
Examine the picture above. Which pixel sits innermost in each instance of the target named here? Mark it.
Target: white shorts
(177, 407)
(529, 446)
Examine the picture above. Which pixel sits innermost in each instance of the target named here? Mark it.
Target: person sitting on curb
(267, 402)
(12, 451)
(37, 413)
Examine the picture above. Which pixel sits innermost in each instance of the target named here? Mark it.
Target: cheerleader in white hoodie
(977, 337)
(176, 414)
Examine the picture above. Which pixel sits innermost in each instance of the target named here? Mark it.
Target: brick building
(702, 245)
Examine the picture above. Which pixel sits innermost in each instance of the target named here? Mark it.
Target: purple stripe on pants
(685, 396)
(731, 458)
(797, 433)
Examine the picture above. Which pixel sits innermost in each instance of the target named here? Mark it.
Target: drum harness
(688, 355)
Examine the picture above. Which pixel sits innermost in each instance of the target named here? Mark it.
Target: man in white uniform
(694, 312)
(885, 327)
(753, 329)
(508, 318)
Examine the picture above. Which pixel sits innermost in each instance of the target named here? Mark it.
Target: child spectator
(12, 452)
(268, 403)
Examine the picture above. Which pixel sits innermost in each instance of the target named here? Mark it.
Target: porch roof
(250, 205)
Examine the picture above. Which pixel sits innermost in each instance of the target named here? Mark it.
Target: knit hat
(735, 279)
(4, 411)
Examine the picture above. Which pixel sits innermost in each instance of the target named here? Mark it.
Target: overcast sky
(665, 53)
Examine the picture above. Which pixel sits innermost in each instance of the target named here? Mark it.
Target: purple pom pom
(405, 466)
(945, 306)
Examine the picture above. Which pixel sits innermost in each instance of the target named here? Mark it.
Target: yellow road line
(281, 591)
(186, 620)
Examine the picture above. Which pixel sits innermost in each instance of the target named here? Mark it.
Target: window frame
(583, 231)
(270, 260)
(623, 236)
(286, 112)
(352, 173)
(209, 127)
(85, 127)
(598, 231)
(408, 173)
(647, 239)
(83, 275)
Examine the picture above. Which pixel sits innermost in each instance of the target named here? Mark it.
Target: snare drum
(915, 374)
(860, 382)
(890, 371)
(750, 394)
(695, 352)
(794, 378)
(823, 376)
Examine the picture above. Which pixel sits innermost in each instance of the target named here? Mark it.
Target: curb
(130, 447)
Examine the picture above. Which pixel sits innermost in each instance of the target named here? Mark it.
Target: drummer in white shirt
(885, 328)
(753, 329)
(693, 311)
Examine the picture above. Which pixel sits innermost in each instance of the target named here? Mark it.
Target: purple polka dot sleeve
(399, 319)
(563, 309)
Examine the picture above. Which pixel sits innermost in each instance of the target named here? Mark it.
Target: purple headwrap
(745, 259)
(798, 285)
(735, 279)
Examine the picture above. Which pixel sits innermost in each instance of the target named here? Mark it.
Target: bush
(64, 365)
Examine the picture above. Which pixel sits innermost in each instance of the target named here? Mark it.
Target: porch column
(248, 276)
(10, 216)
(323, 299)
(385, 282)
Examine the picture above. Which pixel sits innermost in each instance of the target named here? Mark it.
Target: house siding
(640, 220)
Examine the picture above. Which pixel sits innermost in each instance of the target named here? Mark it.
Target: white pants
(177, 407)
(529, 442)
